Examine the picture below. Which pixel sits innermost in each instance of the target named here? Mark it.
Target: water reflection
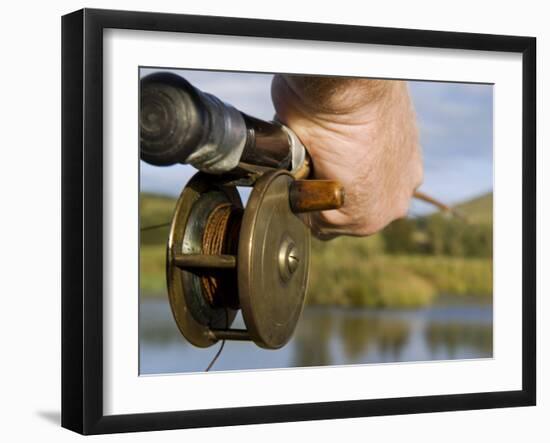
(454, 335)
(361, 332)
(311, 343)
(156, 325)
(328, 336)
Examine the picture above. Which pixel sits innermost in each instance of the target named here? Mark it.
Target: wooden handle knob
(315, 195)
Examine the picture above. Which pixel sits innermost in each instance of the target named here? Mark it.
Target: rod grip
(315, 195)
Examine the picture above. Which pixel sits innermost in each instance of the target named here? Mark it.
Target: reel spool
(222, 257)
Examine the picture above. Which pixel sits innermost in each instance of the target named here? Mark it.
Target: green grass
(452, 275)
(344, 273)
(152, 278)
(349, 271)
(155, 210)
(352, 279)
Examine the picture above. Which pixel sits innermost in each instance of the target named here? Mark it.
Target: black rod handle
(181, 124)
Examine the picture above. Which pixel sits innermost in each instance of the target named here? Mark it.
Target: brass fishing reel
(222, 257)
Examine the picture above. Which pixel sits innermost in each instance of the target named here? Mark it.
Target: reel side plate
(273, 262)
(194, 317)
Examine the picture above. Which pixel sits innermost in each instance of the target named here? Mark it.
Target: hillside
(478, 210)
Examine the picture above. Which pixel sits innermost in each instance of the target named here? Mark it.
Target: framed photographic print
(269, 221)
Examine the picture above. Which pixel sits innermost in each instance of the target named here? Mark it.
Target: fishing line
(215, 357)
(162, 225)
(222, 345)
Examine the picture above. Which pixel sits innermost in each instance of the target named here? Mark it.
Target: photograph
(292, 220)
(273, 221)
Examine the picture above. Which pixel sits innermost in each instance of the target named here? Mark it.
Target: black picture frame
(82, 218)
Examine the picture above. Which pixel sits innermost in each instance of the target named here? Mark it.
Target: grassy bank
(152, 278)
(408, 265)
(395, 281)
(350, 280)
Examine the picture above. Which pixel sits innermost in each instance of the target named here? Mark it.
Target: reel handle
(315, 195)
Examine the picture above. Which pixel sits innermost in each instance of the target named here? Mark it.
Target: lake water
(327, 336)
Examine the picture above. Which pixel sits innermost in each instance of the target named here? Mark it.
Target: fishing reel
(223, 257)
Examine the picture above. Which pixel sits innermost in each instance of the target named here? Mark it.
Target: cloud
(455, 119)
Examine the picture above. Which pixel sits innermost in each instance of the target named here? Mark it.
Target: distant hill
(478, 210)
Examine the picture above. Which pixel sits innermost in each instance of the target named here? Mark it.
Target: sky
(455, 122)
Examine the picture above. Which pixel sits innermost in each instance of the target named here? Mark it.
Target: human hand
(362, 133)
